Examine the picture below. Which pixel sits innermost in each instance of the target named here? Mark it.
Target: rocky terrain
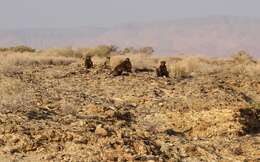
(63, 113)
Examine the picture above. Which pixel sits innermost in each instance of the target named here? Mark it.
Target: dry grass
(241, 63)
(12, 64)
(11, 92)
(63, 52)
(18, 49)
(186, 66)
(12, 60)
(177, 67)
(191, 65)
(138, 60)
(243, 57)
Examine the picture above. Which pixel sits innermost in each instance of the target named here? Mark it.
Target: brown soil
(66, 114)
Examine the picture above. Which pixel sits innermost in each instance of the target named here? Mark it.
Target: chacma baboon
(106, 64)
(124, 66)
(88, 62)
(162, 70)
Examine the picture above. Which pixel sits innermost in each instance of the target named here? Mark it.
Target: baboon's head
(127, 60)
(163, 63)
(88, 57)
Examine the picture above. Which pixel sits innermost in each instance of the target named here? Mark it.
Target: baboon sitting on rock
(162, 70)
(124, 66)
(88, 62)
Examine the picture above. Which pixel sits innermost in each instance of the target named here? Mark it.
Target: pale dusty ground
(62, 113)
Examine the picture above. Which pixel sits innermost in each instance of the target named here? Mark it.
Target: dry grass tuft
(243, 57)
(11, 92)
(18, 49)
(64, 52)
(12, 60)
(34, 59)
(183, 67)
(99, 51)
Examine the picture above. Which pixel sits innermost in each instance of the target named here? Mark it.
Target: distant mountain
(46, 38)
(215, 36)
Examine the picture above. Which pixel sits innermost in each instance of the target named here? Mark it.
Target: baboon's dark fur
(124, 66)
(162, 70)
(88, 62)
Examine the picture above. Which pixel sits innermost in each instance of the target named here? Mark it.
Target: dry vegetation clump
(129, 50)
(99, 51)
(27, 59)
(183, 67)
(11, 93)
(253, 70)
(64, 52)
(20, 49)
(12, 61)
(147, 50)
(243, 57)
(244, 64)
(144, 50)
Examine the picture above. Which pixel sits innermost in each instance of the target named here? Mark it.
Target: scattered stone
(238, 151)
(11, 150)
(161, 104)
(101, 131)
(172, 132)
(127, 116)
(140, 148)
(68, 117)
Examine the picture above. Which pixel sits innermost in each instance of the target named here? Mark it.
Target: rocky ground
(66, 114)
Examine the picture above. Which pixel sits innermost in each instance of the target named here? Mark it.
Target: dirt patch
(61, 113)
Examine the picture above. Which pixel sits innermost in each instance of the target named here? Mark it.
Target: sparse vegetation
(65, 52)
(144, 50)
(51, 109)
(147, 50)
(243, 57)
(14, 60)
(100, 51)
(20, 49)
(129, 50)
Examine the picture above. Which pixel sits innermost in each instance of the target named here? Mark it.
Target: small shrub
(102, 51)
(143, 50)
(147, 50)
(20, 49)
(64, 52)
(27, 59)
(129, 50)
(183, 67)
(177, 70)
(243, 57)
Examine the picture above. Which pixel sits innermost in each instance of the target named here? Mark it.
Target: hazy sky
(70, 13)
